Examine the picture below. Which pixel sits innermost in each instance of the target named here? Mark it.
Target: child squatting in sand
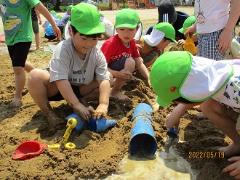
(77, 70)
(121, 51)
(183, 78)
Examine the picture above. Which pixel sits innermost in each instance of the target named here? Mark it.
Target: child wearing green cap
(77, 70)
(161, 39)
(182, 78)
(121, 51)
(17, 24)
(187, 23)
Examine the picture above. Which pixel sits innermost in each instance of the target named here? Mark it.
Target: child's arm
(66, 91)
(44, 11)
(121, 74)
(142, 68)
(191, 30)
(225, 37)
(104, 94)
(38, 16)
(174, 117)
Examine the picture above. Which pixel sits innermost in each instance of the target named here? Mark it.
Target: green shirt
(17, 23)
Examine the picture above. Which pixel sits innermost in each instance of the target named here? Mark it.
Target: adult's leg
(218, 114)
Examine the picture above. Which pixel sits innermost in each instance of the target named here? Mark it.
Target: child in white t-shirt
(77, 70)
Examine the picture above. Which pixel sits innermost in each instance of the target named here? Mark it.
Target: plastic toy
(190, 46)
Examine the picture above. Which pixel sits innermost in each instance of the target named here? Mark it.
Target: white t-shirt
(214, 15)
(67, 65)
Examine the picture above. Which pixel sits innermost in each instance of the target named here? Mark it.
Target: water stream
(166, 166)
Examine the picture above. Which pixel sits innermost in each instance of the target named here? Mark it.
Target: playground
(98, 155)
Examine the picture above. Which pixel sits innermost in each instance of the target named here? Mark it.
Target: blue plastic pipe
(143, 142)
(96, 125)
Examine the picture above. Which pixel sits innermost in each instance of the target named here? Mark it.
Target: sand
(98, 154)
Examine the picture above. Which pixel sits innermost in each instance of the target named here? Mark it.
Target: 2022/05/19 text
(205, 155)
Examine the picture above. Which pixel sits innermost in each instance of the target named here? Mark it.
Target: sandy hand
(101, 111)
(125, 75)
(83, 111)
(234, 168)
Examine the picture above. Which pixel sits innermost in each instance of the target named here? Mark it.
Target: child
(16, 16)
(168, 13)
(214, 26)
(48, 29)
(121, 52)
(187, 23)
(189, 40)
(77, 69)
(180, 77)
(161, 39)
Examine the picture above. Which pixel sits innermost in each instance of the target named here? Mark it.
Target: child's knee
(36, 76)
(130, 64)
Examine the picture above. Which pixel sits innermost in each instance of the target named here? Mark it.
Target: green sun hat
(168, 74)
(69, 7)
(167, 29)
(127, 18)
(187, 23)
(86, 19)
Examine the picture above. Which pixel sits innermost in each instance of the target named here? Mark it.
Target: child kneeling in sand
(77, 69)
(121, 52)
(180, 77)
(160, 40)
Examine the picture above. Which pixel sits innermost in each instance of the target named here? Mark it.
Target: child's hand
(83, 111)
(190, 31)
(101, 111)
(57, 31)
(181, 42)
(125, 75)
(234, 168)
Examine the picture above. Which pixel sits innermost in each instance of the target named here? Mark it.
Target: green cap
(69, 7)
(127, 18)
(86, 19)
(159, 31)
(167, 29)
(187, 23)
(168, 74)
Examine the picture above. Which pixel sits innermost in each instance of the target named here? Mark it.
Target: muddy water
(168, 166)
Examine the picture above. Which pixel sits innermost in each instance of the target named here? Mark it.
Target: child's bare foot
(230, 150)
(16, 103)
(120, 96)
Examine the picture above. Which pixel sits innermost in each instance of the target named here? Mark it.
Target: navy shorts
(59, 97)
(18, 53)
(118, 64)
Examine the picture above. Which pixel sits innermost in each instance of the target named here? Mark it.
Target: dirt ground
(97, 154)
